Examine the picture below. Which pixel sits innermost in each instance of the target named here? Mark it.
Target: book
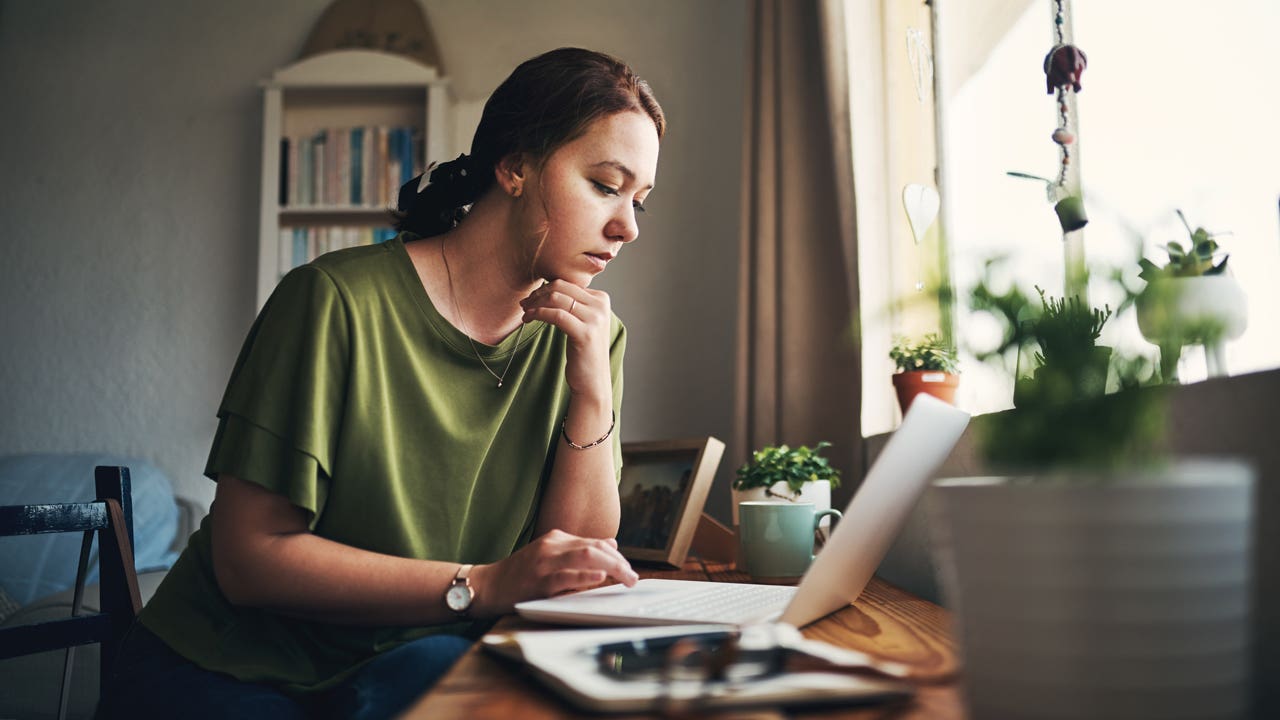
(357, 165)
(283, 198)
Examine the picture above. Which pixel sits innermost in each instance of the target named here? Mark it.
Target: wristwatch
(460, 593)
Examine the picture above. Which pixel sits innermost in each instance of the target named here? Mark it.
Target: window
(1176, 111)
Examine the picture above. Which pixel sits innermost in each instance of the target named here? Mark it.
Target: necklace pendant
(499, 383)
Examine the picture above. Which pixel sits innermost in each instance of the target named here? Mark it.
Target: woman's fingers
(566, 580)
(560, 303)
(598, 555)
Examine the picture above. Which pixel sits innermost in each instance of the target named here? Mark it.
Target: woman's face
(586, 196)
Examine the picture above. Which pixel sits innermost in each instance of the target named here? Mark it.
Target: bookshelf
(352, 123)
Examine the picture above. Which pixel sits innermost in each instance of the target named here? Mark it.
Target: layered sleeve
(279, 420)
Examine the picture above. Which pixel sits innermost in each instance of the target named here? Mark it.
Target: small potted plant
(1069, 362)
(928, 366)
(1190, 300)
(787, 474)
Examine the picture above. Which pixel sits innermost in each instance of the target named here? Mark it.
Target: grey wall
(129, 143)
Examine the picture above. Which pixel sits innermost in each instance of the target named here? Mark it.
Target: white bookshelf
(340, 89)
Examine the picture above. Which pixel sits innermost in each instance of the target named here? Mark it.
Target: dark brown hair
(546, 102)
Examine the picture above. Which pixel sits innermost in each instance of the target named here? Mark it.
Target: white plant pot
(1178, 306)
(1090, 597)
(817, 492)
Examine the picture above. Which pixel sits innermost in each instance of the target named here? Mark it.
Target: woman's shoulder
(358, 261)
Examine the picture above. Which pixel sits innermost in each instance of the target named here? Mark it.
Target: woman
(418, 434)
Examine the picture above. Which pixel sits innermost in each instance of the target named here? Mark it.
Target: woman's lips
(599, 260)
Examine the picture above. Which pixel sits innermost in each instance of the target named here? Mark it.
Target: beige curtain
(798, 367)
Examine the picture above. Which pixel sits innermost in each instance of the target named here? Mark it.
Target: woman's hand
(552, 564)
(583, 315)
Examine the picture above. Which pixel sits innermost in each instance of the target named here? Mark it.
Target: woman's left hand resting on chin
(264, 556)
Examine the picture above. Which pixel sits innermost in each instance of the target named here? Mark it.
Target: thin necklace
(458, 311)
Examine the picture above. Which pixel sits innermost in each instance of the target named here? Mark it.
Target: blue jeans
(151, 680)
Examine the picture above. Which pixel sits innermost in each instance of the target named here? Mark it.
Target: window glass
(1177, 110)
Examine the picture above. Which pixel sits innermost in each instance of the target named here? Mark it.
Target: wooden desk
(885, 621)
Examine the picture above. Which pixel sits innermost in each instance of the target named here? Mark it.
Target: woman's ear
(511, 172)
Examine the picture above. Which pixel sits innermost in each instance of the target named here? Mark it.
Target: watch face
(458, 598)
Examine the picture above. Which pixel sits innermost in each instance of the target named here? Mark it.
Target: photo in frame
(663, 490)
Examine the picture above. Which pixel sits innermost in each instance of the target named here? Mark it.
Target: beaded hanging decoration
(1063, 67)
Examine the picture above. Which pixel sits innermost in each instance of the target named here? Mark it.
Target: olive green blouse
(355, 399)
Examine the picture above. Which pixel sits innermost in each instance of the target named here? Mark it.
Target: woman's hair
(545, 103)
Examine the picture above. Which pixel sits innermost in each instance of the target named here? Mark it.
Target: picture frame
(663, 489)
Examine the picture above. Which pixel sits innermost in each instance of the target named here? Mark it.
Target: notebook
(836, 578)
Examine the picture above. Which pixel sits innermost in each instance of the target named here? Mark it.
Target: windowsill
(1233, 416)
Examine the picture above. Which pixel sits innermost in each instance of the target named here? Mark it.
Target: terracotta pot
(941, 385)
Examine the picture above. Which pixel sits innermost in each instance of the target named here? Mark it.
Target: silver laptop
(836, 578)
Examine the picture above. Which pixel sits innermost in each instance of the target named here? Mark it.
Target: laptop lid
(878, 510)
(850, 557)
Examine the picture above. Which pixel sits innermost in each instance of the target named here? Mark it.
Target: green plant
(931, 353)
(1067, 330)
(1064, 419)
(1186, 262)
(794, 466)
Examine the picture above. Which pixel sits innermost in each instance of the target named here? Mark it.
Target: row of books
(301, 245)
(358, 166)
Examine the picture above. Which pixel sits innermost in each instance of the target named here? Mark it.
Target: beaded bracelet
(613, 419)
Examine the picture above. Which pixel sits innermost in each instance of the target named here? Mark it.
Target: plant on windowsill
(1047, 561)
(786, 474)
(1191, 300)
(1069, 362)
(928, 366)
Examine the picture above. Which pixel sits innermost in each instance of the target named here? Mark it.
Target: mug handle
(833, 513)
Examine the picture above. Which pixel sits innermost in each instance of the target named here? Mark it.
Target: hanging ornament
(1063, 67)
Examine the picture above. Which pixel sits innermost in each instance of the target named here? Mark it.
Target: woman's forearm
(307, 576)
(582, 493)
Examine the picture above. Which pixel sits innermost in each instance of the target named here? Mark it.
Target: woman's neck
(475, 276)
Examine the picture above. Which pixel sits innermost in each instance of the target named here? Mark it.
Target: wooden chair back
(110, 517)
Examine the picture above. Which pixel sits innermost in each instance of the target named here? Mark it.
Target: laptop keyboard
(720, 603)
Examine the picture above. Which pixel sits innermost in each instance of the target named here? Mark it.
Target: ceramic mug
(775, 539)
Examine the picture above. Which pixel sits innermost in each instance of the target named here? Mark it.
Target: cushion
(35, 566)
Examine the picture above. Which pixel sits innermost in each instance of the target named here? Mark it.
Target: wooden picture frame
(663, 490)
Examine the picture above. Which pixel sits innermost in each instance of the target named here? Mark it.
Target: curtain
(798, 370)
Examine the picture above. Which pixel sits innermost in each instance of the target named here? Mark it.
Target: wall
(129, 189)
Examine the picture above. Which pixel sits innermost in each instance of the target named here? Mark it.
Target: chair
(111, 516)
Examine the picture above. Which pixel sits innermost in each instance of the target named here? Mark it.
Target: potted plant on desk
(928, 366)
(1091, 575)
(786, 474)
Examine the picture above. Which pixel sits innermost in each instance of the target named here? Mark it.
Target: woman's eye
(639, 206)
(604, 189)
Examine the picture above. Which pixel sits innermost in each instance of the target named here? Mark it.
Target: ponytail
(435, 207)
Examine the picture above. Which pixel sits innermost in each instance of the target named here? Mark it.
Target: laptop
(842, 569)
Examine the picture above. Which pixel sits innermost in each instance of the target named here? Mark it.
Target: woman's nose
(624, 227)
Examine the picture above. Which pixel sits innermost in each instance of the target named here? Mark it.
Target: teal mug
(775, 539)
